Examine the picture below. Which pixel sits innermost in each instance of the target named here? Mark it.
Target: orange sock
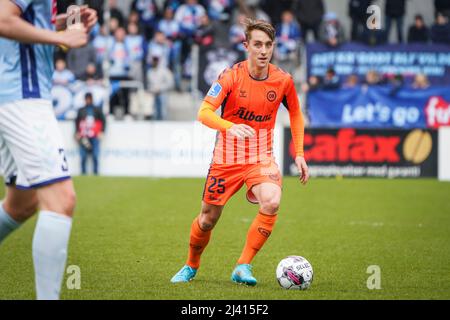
(198, 242)
(257, 235)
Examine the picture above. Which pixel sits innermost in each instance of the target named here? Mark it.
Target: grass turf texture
(131, 235)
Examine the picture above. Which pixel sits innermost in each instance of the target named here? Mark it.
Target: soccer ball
(295, 272)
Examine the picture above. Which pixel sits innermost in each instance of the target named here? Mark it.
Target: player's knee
(69, 202)
(25, 210)
(207, 222)
(66, 202)
(208, 218)
(270, 205)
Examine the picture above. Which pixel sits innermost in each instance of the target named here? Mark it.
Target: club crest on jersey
(215, 90)
(272, 96)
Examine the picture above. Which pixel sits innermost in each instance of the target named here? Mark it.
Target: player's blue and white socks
(50, 242)
(7, 224)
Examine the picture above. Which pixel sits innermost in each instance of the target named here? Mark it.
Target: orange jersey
(253, 102)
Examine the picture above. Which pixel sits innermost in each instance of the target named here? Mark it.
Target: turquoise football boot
(243, 274)
(186, 274)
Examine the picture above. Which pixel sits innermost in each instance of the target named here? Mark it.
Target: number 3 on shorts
(65, 165)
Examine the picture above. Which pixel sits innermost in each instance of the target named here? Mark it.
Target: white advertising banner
(444, 154)
(153, 149)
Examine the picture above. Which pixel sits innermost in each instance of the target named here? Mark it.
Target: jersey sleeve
(22, 4)
(220, 89)
(295, 116)
(209, 118)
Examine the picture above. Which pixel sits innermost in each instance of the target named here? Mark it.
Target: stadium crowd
(154, 40)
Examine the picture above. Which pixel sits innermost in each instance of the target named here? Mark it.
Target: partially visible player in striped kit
(32, 157)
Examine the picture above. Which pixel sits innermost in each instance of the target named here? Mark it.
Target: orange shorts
(224, 180)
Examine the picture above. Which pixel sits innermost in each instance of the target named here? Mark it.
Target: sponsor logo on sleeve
(215, 90)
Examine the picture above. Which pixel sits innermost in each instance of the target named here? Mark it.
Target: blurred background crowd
(146, 46)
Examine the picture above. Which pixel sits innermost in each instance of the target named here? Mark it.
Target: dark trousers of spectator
(121, 97)
(310, 27)
(399, 25)
(358, 26)
(85, 152)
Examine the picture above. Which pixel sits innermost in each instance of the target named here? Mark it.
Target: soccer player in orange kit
(250, 94)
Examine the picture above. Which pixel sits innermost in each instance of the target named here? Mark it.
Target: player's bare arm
(12, 26)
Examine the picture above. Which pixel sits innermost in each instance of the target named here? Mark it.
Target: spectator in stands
(78, 59)
(275, 9)
(160, 81)
(134, 17)
(442, 6)
(119, 71)
(135, 44)
(90, 126)
(374, 37)
(418, 32)
(313, 83)
(309, 15)
(169, 26)
(357, 10)
(220, 10)
(372, 78)
(148, 15)
(119, 56)
(171, 30)
(440, 31)
(101, 43)
(114, 24)
(116, 13)
(395, 12)
(188, 16)
(62, 76)
(288, 36)
(396, 82)
(255, 12)
(159, 47)
(421, 82)
(92, 75)
(173, 4)
(204, 35)
(351, 81)
(330, 80)
(331, 31)
(237, 33)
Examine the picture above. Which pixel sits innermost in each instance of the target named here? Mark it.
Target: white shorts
(31, 149)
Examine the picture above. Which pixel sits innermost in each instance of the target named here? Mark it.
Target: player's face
(260, 49)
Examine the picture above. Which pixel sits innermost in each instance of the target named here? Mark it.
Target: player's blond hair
(261, 25)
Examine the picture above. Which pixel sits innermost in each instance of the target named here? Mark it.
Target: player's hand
(88, 17)
(241, 131)
(61, 22)
(302, 169)
(74, 37)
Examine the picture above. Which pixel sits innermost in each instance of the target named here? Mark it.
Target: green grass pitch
(130, 235)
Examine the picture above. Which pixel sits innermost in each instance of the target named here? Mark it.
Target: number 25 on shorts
(219, 183)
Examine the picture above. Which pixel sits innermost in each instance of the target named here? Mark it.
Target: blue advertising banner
(408, 60)
(379, 107)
